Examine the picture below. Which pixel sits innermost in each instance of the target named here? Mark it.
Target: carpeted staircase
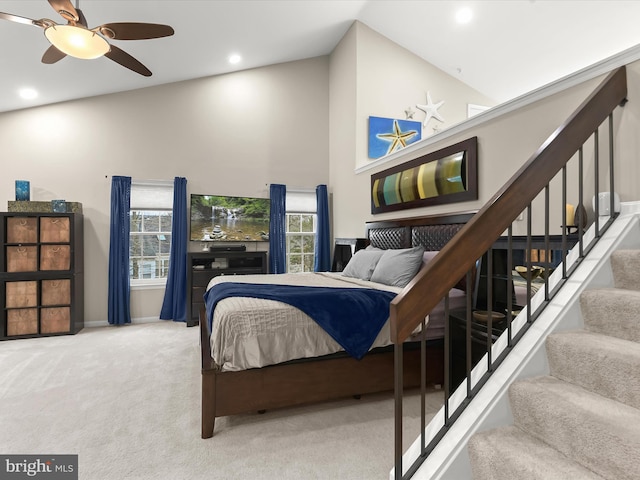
(583, 420)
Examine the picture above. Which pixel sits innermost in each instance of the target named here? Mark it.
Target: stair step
(508, 453)
(612, 311)
(626, 269)
(597, 432)
(602, 364)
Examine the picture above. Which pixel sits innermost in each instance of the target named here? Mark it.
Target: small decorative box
(59, 206)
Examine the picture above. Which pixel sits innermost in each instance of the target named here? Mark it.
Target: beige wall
(627, 140)
(390, 79)
(505, 143)
(372, 76)
(343, 92)
(228, 135)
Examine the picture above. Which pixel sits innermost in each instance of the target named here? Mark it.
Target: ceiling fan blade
(126, 60)
(18, 19)
(66, 9)
(81, 20)
(52, 55)
(134, 30)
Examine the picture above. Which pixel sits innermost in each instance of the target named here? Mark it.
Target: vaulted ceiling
(508, 47)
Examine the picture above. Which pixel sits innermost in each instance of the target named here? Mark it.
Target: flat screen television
(217, 218)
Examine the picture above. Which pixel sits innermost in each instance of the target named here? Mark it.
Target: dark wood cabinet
(344, 249)
(41, 274)
(203, 266)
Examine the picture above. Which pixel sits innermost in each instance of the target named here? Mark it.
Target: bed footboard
(208, 379)
(304, 382)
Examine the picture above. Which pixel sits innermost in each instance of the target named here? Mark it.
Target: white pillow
(428, 256)
(362, 264)
(397, 267)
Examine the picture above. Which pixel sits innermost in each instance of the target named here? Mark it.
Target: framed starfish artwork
(446, 176)
(388, 135)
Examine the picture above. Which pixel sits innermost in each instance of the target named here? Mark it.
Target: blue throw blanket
(352, 316)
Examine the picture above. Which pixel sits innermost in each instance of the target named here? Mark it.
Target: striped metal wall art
(446, 176)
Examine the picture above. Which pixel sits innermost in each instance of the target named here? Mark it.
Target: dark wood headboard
(432, 231)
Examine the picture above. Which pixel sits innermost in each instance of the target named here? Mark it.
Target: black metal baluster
(547, 252)
(528, 263)
(423, 384)
(397, 355)
(611, 179)
(565, 227)
(509, 283)
(596, 174)
(447, 353)
(468, 338)
(580, 204)
(489, 306)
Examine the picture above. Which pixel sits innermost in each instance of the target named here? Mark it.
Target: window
(150, 244)
(301, 231)
(151, 214)
(301, 240)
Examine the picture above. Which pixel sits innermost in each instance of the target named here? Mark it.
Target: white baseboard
(105, 323)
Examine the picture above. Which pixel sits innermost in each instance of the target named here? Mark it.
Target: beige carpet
(127, 401)
(580, 421)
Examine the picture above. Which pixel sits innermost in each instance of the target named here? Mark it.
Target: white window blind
(151, 195)
(299, 201)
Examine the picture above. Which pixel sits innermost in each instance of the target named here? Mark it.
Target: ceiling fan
(76, 39)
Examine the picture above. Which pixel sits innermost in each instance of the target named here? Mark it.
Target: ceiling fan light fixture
(77, 41)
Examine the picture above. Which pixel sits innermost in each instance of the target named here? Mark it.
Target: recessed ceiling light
(235, 58)
(28, 93)
(464, 15)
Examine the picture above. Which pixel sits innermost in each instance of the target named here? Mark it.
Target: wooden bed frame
(334, 376)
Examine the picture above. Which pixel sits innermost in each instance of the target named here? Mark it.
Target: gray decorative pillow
(397, 267)
(362, 264)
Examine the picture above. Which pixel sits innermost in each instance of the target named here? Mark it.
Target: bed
(260, 353)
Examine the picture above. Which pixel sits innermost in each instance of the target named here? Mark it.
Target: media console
(203, 266)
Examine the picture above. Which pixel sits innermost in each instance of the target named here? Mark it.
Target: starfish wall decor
(431, 109)
(397, 138)
(388, 135)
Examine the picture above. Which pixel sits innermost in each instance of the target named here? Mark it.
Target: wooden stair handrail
(432, 283)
